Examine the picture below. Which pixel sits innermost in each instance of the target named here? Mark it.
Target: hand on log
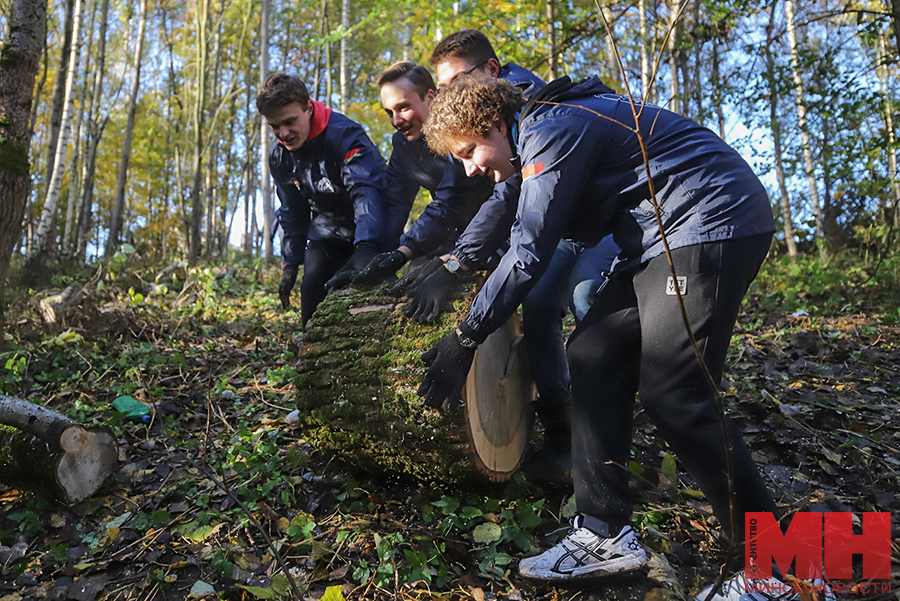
(414, 277)
(448, 365)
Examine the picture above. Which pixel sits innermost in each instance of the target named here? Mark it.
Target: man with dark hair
(584, 176)
(407, 90)
(469, 51)
(330, 180)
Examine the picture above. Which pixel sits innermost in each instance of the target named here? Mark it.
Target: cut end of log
(89, 458)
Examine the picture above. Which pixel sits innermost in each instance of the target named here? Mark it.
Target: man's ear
(501, 125)
(429, 95)
(493, 67)
(309, 106)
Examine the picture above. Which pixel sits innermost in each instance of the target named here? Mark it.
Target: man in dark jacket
(577, 149)
(407, 90)
(330, 180)
(469, 51)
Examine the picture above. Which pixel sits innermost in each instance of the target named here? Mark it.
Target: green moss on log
(20, 452)
(356, 389)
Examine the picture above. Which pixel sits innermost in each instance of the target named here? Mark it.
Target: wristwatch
(465, 341)
(452, 264)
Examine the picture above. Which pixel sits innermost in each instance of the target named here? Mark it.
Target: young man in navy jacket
(407, 90)
(330, 180)
(469, 51)
(584, 176)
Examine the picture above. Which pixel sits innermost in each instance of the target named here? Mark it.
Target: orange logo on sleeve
(530, 170)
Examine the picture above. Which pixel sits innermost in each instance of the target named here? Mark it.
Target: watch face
(452, 264)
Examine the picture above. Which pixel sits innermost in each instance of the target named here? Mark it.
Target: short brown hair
(470, 106)
(279, 90)
(417, 75)
(469, 45)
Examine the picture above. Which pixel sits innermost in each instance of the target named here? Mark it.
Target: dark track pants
(323, 259)
(633, 340)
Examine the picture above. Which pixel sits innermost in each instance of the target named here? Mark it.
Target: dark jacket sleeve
(294, 215)
(487, 235)
(363, 174)
(455, 201)
(566, 150)
(400, 194)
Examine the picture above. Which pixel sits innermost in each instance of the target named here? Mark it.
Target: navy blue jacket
(455, 197)
(332, 187)
(584, 177)
(488, 231)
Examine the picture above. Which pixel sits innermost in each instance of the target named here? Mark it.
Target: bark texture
(19, 60)
(46, 452)
(356, 389)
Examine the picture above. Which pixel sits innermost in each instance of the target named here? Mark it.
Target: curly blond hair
(469, 107)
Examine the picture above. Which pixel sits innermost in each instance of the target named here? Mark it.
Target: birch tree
(264, 184)
(51, 204)
(775, 125)
(805, 139)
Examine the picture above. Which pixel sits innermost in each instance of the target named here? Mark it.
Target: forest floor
(218, 494)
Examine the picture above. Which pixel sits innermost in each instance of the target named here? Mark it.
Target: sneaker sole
(614, 566)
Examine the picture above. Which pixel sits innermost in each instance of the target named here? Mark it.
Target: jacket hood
(563, 90)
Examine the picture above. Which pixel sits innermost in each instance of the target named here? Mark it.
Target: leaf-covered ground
(218, 497)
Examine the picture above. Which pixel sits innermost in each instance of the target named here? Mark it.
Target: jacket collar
(319, 119)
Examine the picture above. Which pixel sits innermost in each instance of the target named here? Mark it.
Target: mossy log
(46, 452)
(358, 373)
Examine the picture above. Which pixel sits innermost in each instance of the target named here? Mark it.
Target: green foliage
(847, 281)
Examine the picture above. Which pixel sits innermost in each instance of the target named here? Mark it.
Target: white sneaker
(741, 588)
(583, 554)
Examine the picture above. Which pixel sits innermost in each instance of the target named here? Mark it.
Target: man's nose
(471, 168)
(396, 121)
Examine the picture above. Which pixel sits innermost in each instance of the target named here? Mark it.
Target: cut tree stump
(55, 308)
(44, 451)
(359, 369)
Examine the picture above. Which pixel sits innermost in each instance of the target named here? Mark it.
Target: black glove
(448, 364)
(414, 277)
(432, 296)
(288, 279)
(361, 257)
(381, 267)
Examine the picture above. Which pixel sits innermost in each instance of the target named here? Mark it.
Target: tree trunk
(717, 88)
(551, 38)
(805, 140)
(268, 208)
(19, 57)
(51, 204)
(74, 184)
(97, 126)
(775, 123)
(115, 222)
(59, 86)
(199, 122)
(674, 90)
(895, 20)
(345, 58)
(47, 452)
(645, 53)
(884, 78)
(357, 377)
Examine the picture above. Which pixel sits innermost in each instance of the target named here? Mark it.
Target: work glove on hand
(448, 364)
(381, 267)
(288, 279)
(431, 296)
(364, 253)
(414, 277)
